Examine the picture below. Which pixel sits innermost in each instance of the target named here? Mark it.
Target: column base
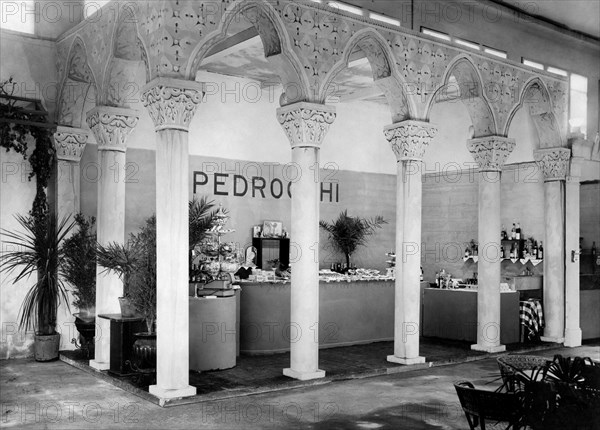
(573, 337)
(303, 376)
(99, 365)
(166, 394)
(552, 339)
(405, 361)
(489, 349)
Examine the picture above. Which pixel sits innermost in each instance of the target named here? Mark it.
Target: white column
(306, 125)
(69, 143)
(110, 126)
(172, 104)
(572, 293)
(554, 163)
(491, 154)
(409, 140)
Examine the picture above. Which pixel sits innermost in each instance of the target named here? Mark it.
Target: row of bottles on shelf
(530, 249)
(515, 232)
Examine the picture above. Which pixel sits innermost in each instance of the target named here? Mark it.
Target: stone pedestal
(172, 104)
(554, 163)
(573, 333)
(305, 125)
(69, 143)
(491, 154)
(110, 126)
(409, 140)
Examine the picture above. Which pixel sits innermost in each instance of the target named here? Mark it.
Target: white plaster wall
(31, 62)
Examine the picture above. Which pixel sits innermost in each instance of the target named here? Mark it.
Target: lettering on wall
(256, 187)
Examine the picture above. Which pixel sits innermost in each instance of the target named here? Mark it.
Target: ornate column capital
(554, 163)
(306, 124)
(69, 143)
(111, 126)
(491, 152)
(172, 103)
(410, 139)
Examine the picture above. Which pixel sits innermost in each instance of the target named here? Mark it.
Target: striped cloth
(531, 316)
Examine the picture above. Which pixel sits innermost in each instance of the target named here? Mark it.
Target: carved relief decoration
(69, 143)
(554, 163)
(410, 139)
(491, 152)
(111, 126)
(306, 124)
(318, 37)
(172, 105)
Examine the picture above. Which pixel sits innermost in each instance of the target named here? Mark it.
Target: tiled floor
(256, 374)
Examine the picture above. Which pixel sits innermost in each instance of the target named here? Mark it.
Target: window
(467, 44)
(557, 71)
(578, 103)
(532, 64)
(93, 6)
(345, 7)
(384, 18)
(434, 33)
(495, 52)
(18, 16)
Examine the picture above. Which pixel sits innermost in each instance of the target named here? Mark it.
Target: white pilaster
(490, 153)
(110, 126)
(409, 140)
(69, 143)
(305, 125)
(172, 104)
(554, 163)
(573, 333)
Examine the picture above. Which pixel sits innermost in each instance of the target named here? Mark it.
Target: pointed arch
(79, 88)
(468, 85)
(127, 52)
(275, 40)
(385, 75)
(535, 97)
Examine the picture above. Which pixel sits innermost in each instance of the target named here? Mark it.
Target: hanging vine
(17, 126)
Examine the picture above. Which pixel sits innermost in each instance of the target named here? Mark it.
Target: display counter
(213, 332)
(349, 313)
(452, 314)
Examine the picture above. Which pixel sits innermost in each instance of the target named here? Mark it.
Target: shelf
(514, 260)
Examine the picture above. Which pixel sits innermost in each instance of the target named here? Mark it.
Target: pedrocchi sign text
(256, 187)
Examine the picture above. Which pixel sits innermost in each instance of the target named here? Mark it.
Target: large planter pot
(45, 347)
(144, 353)
(86, 325)
(127, 309)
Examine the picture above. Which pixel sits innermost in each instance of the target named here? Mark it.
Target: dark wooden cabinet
(269, 249)
(121, 341)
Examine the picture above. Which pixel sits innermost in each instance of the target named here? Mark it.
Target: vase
(127, 309)
(144, 353)
(86, 326)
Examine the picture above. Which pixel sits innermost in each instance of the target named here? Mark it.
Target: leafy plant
(135, 263)
(347, 233)
(202, 217)
(38, 251)
(79, 265)
(18, 125)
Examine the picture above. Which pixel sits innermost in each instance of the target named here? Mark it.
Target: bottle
(513, 251)
(594, 249)
(467, 253)
(534, 250)
(502, 254)
(541, 251)
(513, 232)
(503, 232)
(518, 232)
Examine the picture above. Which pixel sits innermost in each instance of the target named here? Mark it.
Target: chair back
(510, 365)
(489, 405)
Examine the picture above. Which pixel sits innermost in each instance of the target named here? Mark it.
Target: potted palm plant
(347, 233)
(79, 269)
(39, 252)
(120, 259)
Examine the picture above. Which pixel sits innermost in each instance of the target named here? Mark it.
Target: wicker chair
(481, 406)
(510, 365)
